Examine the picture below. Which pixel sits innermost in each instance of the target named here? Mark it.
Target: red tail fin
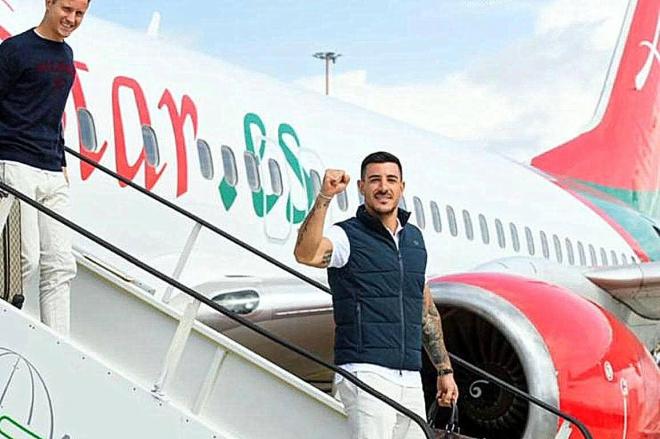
(621, 155)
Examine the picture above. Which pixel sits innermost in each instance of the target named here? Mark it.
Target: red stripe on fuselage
(4, 33)
(630, 240)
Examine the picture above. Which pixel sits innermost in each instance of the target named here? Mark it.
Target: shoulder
(68, 49)
(11, 49)
(348, 223)
(412, 229)
(20, 39)
(19, 45)
(11, 43)
(413, 232)
(335, 232)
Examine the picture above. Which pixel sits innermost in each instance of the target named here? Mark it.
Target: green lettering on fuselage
(289, 143)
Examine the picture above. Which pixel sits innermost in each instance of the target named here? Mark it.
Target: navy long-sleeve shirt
(36, 76)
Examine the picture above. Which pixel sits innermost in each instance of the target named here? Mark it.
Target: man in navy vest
(36, 75)
(383, 309)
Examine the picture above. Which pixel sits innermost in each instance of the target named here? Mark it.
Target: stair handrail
(482, 373)
(217, 307)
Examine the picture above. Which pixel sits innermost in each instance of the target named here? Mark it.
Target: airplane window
(583, 256)
(150, 145)
(419, 213)
(501, 239)
(558, 252)
(467, 220)
(316, 182)
(544, 245)
(205, 159)
(483, 225)
(530, 241)
(569, 252)
(275, 177)
(402, 203)
(435, 215)
(451, 220)
(229, 165)
(342, 200)
(615, 260)
(87, 130)
(252, 171)
(624, 259)
(514, 237)
(592, 254)
(603, 257)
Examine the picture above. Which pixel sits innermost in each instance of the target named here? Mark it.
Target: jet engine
(552, 343)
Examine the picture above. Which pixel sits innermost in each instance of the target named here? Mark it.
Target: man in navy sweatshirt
(36, 75)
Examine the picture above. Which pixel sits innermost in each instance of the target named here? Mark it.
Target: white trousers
(370, 418)
(45, 243)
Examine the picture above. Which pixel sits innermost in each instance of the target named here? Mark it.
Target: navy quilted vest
(377, 296)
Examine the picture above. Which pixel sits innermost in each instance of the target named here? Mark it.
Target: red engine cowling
(553, 343)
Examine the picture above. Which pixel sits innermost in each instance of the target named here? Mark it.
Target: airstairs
(135, 367)
(100, 383)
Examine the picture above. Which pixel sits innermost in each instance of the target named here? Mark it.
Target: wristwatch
(446, 371)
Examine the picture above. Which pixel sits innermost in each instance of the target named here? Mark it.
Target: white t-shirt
(341, 251)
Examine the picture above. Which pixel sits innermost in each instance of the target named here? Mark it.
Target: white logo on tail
(654, 55)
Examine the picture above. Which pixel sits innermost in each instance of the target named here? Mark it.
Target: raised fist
(334, 182)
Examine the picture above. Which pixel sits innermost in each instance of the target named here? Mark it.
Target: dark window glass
(592, 255)
(514, 237)
(451, 220)
(569, 252)
(499, 229)
(582, 255)
(275, 177)
(87, 130)
(205, 159)
(615, 260)
(229, 165)
(419, 213)
(316, 182)
(252, 171)
(545, 249)
(558, 253)
(603, 257)
(467, 221)
(435, 215)
(342, 201)
(150, 145)
(483, 226)
(530, 241)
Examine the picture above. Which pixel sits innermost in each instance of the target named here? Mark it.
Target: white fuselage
(330, 134)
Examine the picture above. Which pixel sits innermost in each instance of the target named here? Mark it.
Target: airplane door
(276, 186)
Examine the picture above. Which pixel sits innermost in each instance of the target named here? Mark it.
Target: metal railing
(191, 310)
(219, 308)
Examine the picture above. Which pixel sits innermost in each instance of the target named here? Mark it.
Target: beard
(379, 209)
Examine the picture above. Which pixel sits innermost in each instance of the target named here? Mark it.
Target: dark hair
(380, 157)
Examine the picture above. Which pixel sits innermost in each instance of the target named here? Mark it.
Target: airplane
(547, 274)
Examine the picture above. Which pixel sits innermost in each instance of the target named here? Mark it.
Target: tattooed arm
(311, 247)
(434, 343)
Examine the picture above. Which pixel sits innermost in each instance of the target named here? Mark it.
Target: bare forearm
(432, 336)
(310, 233)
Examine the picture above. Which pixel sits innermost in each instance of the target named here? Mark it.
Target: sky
(514, 76)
